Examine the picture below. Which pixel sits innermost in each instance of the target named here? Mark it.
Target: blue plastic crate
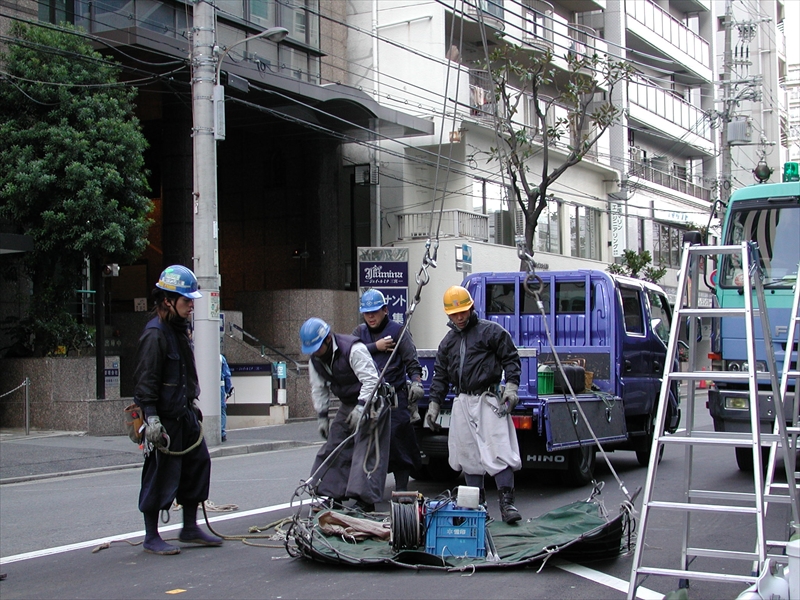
(454, 531)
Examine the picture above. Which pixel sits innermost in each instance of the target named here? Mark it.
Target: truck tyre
(744, 458)
(580, 467)
(438, 469)
(643, 454)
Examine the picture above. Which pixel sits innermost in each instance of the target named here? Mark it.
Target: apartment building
(650, 178)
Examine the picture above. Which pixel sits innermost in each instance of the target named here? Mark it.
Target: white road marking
(607, 580)
(133, 534)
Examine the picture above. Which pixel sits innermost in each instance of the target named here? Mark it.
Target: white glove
(355, 416)
(415, 393)
(324, 425)
(510, 397)
(432, 415)
(154, 431)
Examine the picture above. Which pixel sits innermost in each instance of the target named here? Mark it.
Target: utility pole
(204, 209)
(727, 106)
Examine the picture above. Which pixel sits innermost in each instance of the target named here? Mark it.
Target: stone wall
(61, 395)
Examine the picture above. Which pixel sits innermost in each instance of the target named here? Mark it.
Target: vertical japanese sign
(618, 243)
(386, 270)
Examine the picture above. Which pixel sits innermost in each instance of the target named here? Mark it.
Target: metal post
(27, 406)
(206, 247)
(100, 332)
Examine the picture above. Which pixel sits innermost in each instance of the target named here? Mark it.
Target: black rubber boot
(482, 502)
(191, 533)
(152, 540)
(508, 511)
(401, 481)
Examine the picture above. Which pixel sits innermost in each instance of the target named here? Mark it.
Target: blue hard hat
(179, 279)
(312, 333)
(372, 300)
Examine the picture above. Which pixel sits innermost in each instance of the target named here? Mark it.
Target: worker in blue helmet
(177, 465)
(381, 334)
(340, 365)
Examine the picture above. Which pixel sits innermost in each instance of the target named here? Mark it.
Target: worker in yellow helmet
(472, 358)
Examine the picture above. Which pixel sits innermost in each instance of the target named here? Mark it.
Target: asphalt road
(49, 527)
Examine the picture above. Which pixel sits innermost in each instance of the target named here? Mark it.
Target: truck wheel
(580, 467)
(438, 469)
(643, 452)
(744, 458)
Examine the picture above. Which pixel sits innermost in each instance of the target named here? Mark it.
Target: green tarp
(578, 529)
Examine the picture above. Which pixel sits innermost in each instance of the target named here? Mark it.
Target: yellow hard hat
(457, 299)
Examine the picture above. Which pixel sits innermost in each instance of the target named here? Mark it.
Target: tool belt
(134, 423)
(493, 389)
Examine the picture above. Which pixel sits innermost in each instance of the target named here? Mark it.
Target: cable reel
(406, 521)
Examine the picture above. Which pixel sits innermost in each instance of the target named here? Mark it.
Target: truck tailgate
(564, 427)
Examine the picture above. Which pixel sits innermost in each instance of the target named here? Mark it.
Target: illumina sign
(386, 270)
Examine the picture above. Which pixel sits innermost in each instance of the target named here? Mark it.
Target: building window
(548, 238)
(667, 240)
(57, 11)
(584, 228)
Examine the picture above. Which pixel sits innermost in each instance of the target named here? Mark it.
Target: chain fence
(25, 384)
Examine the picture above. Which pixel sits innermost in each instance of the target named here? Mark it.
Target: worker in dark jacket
(380, 335)
(341, 366)
(472, 358)
(165, 387)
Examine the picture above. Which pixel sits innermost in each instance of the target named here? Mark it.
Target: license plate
(443, 420)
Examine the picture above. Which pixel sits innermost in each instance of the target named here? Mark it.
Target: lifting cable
(531, 278)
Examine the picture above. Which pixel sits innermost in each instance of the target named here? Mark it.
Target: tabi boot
(364, 507)
(401, 481)
(191, 533)
(152, 540)
(508, 511)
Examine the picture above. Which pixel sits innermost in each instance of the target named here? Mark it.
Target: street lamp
(206, 59)
(273, 34)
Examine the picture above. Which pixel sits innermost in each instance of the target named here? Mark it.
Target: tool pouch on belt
(134, 423)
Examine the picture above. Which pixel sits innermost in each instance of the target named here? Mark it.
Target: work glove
(355, 416)
(510, 399)
(415, 394)
(432, 415)
(154, 431)
(323, 425)
(228, 394)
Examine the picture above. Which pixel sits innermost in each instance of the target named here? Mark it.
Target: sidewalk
(45, 454)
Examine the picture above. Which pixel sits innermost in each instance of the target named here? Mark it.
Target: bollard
(27, 385)
(279, 382)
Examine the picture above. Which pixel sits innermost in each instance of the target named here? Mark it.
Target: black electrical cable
(405, 525)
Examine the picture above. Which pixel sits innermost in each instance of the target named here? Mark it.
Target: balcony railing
(455, 223)
(582, 40)
(489, 10)
(665, 104)
(670, 181)
(538, 24)
(481, 95)
(667, 27)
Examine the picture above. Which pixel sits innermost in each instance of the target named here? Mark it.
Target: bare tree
(583, 94)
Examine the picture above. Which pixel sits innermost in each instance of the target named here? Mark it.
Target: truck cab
(611, 330)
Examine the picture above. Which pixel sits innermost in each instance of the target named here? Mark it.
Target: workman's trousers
(183, 478)
(404, 454)
(479, 441)
(358, 469)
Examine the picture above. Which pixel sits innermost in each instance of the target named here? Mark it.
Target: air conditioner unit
(367, 175)
(740, 131)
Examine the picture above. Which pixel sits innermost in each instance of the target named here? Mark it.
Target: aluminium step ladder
(696, 501)
(781, 492)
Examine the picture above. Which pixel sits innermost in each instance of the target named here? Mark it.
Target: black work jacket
(488, 351)
(165, 376)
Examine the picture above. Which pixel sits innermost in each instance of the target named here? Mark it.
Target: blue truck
(613, 329)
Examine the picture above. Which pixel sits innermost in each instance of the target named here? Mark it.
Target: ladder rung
(748, 510)
(726, 438)
(704, 375)
(718, 495)
(713, 312)
(712, 553)
(697, 575)
(777, 499)
(793, 373)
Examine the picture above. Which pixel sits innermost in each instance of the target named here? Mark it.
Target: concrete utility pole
(204, 200)
(727, 106)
